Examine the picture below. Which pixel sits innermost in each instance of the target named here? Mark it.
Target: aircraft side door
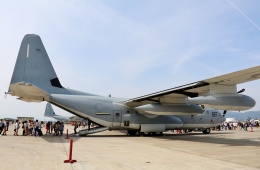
(117, 118)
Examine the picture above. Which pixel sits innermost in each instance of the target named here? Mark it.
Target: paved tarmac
(115, 150)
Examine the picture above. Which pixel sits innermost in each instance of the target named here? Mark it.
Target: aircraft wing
(180, 94)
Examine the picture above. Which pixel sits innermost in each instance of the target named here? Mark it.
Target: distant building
(21, 119)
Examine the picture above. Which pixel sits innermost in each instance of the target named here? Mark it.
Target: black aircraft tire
(206, 131)
(159, 133)
(154, 134)
(141, 133)
(147, 133)
(132, 132)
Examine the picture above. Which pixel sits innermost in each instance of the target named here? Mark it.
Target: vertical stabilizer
(34, 78)
(33, 65)
(49, 111)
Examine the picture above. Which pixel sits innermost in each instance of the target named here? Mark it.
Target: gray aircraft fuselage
(105, 111)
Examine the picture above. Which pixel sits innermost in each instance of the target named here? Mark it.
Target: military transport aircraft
(49, 112)
(183, 107)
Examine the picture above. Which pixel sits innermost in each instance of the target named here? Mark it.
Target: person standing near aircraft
(26, 128)
(36, 129)
(245, 126)
(1, 126)
(4, 127)
(30, 127)
(257, 126)
(40, 129)
(56, 129)
(7, 125)
(16, 127)
(60, 128)
(47, 128)
(51, 127)
(75, 127)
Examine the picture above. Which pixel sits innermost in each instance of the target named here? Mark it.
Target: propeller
(225, 111)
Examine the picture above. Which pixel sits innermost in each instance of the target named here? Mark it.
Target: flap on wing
(180, 94)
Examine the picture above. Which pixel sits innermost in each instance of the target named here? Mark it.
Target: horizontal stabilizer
(28, 92)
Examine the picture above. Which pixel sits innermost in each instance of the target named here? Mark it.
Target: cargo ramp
(86, 132)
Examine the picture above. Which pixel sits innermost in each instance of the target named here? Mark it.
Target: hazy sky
(131, 48)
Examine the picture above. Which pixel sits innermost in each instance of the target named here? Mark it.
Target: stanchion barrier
(67, 135)
(70, 154)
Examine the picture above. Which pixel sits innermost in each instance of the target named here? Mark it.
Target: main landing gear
(206, 131)
(134, 132)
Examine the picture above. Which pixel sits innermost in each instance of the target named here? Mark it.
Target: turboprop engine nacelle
(170, 109)
(236, 102)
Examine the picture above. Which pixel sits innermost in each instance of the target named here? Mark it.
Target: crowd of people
(34, 128)
(238, 125)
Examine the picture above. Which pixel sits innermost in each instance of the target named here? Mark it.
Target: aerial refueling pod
(170, 109)
(235, 102)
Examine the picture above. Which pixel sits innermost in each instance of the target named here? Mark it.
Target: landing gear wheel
(206, 131)
(159, 133)
(132, 132)
(154, 134)
(147, 133)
